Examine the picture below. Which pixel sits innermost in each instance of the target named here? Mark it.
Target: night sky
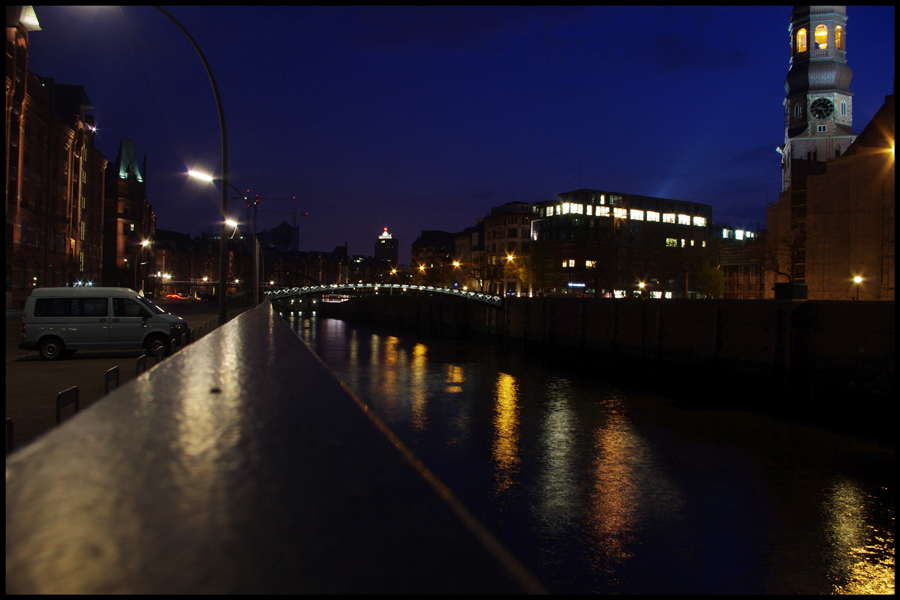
(421, 118)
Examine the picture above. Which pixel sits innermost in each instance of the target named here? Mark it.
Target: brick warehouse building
(54, 176)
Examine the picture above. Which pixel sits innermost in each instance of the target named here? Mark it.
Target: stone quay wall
(814, 346)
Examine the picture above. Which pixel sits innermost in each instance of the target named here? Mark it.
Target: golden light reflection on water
(861, 555)
(505, 447)
(418, 387)
(614, 492)
(454, 375)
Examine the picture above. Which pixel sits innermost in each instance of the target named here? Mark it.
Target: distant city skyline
(423, 118)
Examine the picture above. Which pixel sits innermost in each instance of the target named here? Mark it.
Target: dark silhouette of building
(129, 220)
(387, 249)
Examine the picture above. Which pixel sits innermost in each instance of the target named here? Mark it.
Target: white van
(58, 321)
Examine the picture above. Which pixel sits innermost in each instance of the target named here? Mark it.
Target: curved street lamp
(222, 243)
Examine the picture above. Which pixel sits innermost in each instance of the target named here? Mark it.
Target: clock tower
(818, 104)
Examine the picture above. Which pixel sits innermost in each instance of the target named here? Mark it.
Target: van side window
(123, 307)
(88, 307)
(50, 307)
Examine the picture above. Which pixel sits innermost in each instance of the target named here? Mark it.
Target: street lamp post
(857, 280)
(252, 218)
(137, 262)
(222, 243)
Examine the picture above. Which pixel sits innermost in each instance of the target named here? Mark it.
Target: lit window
(821, 37)
(801, 40)
(684, 219)
(590, 210)
(739, 234)
(578, 208)
(620, 213)
(652, 216)
(602, 198)
(668, 294)
(700, 221)
(703, 243)
(671, 243)
(571, 262)
(682, 242)
(565, 264)
(637, 215)
(602, 211)
(838, 38)
(81, 261)
(590, 264)
(656, 294)
(668, 217)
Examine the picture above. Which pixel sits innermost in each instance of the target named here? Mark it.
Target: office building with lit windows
(609, 244)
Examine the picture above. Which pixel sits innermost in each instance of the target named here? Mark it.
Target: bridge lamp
(857, 280)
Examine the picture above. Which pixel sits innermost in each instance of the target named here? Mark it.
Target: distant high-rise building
(387, 248)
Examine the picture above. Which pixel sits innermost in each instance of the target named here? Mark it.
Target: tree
(712, 280)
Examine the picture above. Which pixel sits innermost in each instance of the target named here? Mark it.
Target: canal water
(602, 489)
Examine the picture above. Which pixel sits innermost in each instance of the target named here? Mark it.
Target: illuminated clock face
(821, 108)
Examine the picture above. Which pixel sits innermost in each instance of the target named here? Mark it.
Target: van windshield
(152, 307)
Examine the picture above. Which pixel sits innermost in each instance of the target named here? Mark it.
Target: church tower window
(837, 151)
(838, 38)
(798, 110)
(843, 108)
(801, 40)
(821, 37)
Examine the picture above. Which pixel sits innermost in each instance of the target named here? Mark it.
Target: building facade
(129, 221)
(504, 264)
(601, 243)
(54, 176)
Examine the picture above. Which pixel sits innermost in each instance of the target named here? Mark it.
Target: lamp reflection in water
(505, 444)
(862, 554)
(614, 493)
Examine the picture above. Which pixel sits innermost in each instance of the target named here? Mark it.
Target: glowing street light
(144, 244)
(857, 280)
(210, 179)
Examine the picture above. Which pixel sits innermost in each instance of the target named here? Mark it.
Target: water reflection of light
(454, 375)
(614, 493)
(559, 481)
(861, 556)
(418, 387)
(506, 434)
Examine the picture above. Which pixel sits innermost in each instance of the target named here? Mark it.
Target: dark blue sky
(421, 118)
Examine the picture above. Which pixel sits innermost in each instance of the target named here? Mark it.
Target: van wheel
(155, 343)
(51, 349)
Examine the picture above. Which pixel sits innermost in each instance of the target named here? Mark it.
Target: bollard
(184, 340)
(110, 374)
(160, 354)
(9, 435)
(141, 365)
(65, 398)
(172, 346)
(191, 337)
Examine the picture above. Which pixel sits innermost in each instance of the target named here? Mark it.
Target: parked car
(59, 321)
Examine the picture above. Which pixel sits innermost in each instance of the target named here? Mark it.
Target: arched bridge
(374, 288)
